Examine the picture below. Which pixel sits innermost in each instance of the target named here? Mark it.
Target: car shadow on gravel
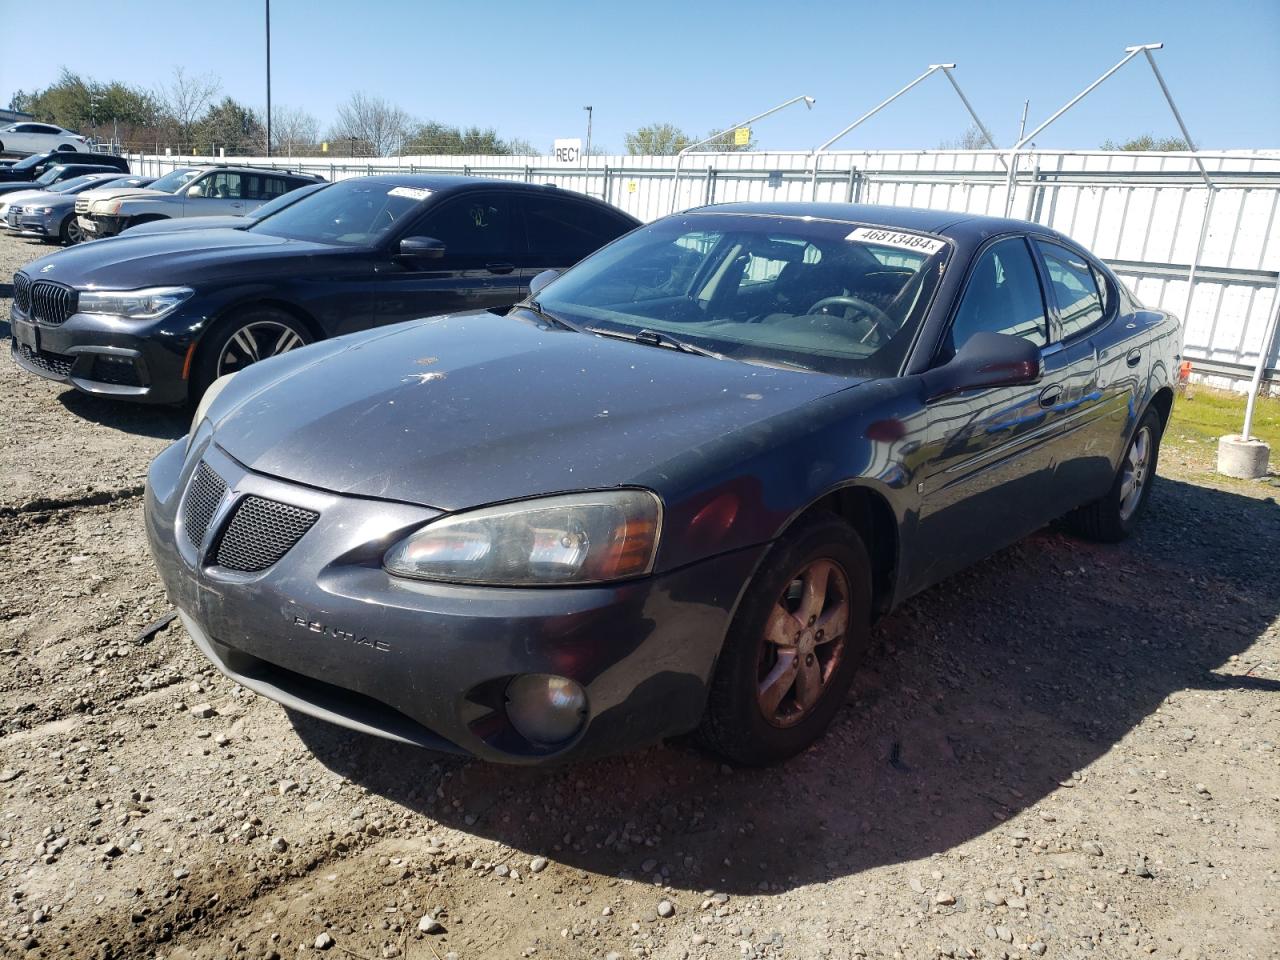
(981, 697)
(161, 422)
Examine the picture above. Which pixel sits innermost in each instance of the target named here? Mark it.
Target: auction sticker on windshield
(893, 238)
(413, 193)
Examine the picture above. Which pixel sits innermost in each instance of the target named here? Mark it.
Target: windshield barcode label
(892, 238)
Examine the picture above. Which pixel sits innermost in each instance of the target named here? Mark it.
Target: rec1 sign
(568, 151)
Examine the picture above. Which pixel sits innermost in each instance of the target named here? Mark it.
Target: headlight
(569, 539)
(150, 304)
(44, 210)
(202, 408)
(111, 206)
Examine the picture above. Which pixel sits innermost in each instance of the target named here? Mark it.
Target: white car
(39, 138)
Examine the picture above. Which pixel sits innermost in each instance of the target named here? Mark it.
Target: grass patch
(1206, 414)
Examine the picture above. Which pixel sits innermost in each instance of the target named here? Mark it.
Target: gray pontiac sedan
(668, 492)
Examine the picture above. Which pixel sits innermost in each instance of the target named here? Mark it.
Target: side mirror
(541, 280)
(986, 360)
(196, 191)
(421, 248)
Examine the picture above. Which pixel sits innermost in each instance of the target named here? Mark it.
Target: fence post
(1033, 197)
(528, 173)
(605, 190)
(707, 190)
(848, 191)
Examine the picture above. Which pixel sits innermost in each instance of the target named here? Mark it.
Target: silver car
(189, 192)
(50, 215)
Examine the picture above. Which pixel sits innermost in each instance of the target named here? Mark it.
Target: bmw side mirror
(421, 248)
(541, 280)
(986, 360)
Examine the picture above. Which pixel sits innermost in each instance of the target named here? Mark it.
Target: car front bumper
(108, 356)
(326, 631)
(96, 227)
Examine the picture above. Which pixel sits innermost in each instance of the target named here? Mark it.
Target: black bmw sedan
(668, 492)
(159, 317)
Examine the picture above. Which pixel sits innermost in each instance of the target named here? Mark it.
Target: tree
(971, 139)
(185, 100)
(433, 137)
(657, 139)
(230, 125)
(86, 105)
(1147, 142)
(727, 142)
(375, 124)
(293, 130)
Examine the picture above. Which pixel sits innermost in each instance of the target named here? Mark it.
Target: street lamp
(268, 77)
(588, 160)
(675, 182)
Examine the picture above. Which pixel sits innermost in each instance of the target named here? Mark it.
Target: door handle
(1050, 394)
(1133, 357)
(499, 267)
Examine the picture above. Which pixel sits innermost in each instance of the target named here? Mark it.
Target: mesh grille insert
(203, 496)
(57, 364)
(51, 303)
(261, 532)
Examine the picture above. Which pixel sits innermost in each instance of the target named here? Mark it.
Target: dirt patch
(1067, 751)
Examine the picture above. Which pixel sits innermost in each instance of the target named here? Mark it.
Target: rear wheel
(793, 648)
(66, 148)
(1112, 518)
(244, 338)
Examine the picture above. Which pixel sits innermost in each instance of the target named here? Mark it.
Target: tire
(1114, 516)
(66, 148)
(738, 724)
(70, 234)
(224, 349)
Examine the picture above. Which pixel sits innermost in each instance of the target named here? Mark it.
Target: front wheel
(245, 338)
(70, 234)
(1113, 517)
(793, 648)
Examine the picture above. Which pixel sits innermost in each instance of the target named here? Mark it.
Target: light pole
(268, 78)
(588, 160)
(675, 181)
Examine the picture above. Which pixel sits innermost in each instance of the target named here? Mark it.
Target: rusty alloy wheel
(802, 642)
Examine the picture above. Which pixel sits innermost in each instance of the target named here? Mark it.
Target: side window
(223, 186)
(1002, 296)
(562, 232)
(1074, 289)
(273, 187)
(40, 128)
(475, 229)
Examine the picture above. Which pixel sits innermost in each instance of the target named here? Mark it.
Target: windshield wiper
(652, 338)
(534, 307)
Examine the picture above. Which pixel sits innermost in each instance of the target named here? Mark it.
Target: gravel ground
(1067, 751)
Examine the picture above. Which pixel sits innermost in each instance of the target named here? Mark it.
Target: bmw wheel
(793, 648)
(245, 338)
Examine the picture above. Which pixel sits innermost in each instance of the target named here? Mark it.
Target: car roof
(232, 168)
(442, 182)
(945, 223)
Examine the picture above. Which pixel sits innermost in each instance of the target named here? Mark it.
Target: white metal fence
(1141, 212)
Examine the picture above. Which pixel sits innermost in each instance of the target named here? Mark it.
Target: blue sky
(528, 68)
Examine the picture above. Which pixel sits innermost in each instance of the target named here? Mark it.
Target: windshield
(69, 186)
(820, 295)
(49, 176)
(173, 182)
(356, 212)
(284, 200)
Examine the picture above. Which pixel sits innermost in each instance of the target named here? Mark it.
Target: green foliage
(80, 104)
(231, 125)
(657, 139)
(432, 137)
(1148, 143)
(725, 143)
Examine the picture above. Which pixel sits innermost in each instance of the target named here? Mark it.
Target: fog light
(546, 709)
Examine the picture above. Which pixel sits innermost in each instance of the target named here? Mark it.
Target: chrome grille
(203, 496)
(22, 292)
(52, 303)
(261, 532)
(82, 204)
(58, 364)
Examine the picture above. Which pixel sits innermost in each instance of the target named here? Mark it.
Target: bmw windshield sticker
(892, 238)
(413, 193)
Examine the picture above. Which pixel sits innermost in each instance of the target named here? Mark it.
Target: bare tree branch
(186, 99)
(373, 122)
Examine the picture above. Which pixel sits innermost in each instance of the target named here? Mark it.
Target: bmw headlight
(569, 539)
(149, 304)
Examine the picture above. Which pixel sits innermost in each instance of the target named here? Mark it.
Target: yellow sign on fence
(742, 136)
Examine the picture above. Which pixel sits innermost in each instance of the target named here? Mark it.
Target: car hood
(111, 193)
(475, 408)
(21, 196)
(188, 223)
(128, 262)
(48, 198)
(25, 184)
